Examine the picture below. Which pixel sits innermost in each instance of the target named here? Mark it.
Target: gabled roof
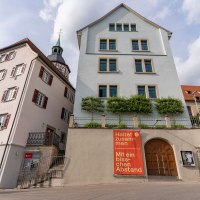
(129, 9)
(189, 91)
(40, 55)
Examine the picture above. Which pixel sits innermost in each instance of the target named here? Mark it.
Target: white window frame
(18, 70)
(3, 58)
(40, 99)
(10, 94)
(147, 90)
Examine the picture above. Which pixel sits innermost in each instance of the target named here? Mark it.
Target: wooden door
(160, 158)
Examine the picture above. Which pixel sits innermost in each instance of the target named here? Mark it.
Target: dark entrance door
(160, 158)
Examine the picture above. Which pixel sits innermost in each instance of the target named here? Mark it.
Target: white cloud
(192, 9)
(162, 14)
(47, 12)
(188, 69)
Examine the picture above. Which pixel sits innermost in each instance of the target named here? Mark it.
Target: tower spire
(58, 41)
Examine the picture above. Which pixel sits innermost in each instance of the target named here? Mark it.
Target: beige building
(36, 97)
(191, 95)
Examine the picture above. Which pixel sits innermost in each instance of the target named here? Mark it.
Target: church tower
(57, 59)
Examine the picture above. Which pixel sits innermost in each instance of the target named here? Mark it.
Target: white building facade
(35, 97)
(124, 54)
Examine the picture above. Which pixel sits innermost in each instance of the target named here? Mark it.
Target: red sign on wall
(28, 155)
(127, 152)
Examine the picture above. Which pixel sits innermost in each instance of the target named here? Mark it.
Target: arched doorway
(160, 158)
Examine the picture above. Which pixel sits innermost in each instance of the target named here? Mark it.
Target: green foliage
(117, 105)
(92, 125)
(92, 105)
(169, 106)
(140, 104)
(143, 126)
(111, 125)
(160, 127)
(122, 125)
(177, 126)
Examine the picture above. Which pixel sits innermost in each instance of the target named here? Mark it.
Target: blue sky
(40, 21)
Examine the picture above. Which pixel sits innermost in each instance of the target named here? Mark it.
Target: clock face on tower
(62, 68)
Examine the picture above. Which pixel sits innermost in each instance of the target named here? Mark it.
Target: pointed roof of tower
(56, 55)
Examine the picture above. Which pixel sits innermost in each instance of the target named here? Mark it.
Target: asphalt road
(120, 191)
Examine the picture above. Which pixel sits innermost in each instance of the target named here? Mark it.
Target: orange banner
(127, 152)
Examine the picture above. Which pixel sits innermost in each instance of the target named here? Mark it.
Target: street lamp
(195, 100)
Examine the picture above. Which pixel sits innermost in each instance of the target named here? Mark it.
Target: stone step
(163, 178)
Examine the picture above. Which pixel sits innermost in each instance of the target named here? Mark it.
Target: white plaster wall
(91, 162)
(166, 78)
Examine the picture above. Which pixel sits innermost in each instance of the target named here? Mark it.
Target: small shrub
(160, 127)
(144, 126)
(121, 125)
(177, 126)
(92, 125)
(111, 125)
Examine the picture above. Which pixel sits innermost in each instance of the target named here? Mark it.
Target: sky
(41, 20)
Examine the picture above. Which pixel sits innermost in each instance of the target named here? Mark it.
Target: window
(3, 58)
(138, 65)
(143, 66)
(107, 90)
(111, 27)
(71, 98)
(66, 93)
(119, 27)
(40, 99)
(148, 91)
(18, 70)
(140, 45)
(126, 27)
(103, 44)
(9, 94)
(102, 91)
(6, 57)
(133, 27)
(189, 110)
(45, 76)
(112, 44)
(141, 90)
(65, 115)
(107, 44)
(4, 120)
(152, 92)
(108, 65)
(2, 74)
(113, 90)
(103, 65)
(135, 45)
(144, 45)
(11, 55)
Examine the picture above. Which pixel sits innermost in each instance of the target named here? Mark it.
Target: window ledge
(145, 72)
(141, 51)
(108, 50)
(108, 72)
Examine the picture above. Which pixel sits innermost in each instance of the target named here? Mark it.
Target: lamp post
(195, 100)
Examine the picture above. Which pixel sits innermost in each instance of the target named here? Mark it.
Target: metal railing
(159, 122)
(43, 138)
(41, 171)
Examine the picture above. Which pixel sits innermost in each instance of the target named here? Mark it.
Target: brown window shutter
(50, 80)
(13, 72)
(45, 102)
(4, 74)
(66, 91)
(6, 121)
(35, 94)
(4, 96)
(41, 72)
(15, 92)
(62, 113)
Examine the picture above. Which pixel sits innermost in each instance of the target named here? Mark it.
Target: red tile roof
(189, 90)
